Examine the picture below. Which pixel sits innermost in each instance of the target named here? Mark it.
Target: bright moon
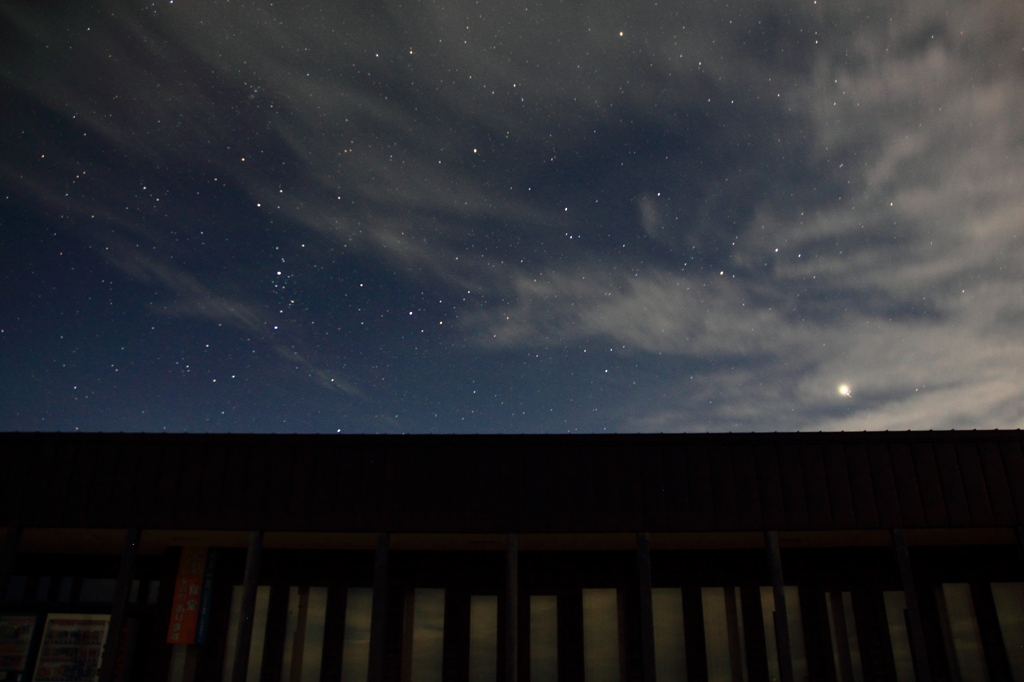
(844, 389)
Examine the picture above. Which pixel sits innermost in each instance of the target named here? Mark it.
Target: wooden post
(121, 589)
(512, 608)
(250, 582)
(7, 554)
(643, 556)
(780, 619)
(378, 617)
(914, 624)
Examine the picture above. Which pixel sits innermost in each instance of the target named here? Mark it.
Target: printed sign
(15, 638)
(188, 587)
(72, 647)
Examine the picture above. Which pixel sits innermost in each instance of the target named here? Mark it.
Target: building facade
(636, 558)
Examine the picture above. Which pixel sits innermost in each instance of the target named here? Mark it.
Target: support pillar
(249, 584)
(780, 619)
(512, 608)
(915, 626)
(121, 589)
(379, 614)
(643, 556)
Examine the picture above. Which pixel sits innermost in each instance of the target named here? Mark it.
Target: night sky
(481, 216)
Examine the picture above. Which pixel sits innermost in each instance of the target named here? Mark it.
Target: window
(669, 634)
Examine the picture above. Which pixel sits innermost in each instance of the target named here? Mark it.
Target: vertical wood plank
(334, 633)
(696, 644)
(774, 556)
(277, 621)
(299, 642)
(753, 631)
(915, 626)
(643, 557)
(873, 635)
(570, 635)
(842, 637)
(991, 634)
(455, 643)
(511, 611)
(817, 636)
(118, 608)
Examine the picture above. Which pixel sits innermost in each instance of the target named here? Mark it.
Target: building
(843, 557)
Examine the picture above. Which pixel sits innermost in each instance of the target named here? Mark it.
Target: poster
(15, 639)
(188, 587)
(72, 647)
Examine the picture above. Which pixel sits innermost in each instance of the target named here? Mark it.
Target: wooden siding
(618, 483)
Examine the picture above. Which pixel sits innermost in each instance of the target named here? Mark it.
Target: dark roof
(531, 483)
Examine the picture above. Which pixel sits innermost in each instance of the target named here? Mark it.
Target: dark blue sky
(475, 216)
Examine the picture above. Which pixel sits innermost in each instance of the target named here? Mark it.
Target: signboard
(72, 647)
(15, 639)
(188, 588)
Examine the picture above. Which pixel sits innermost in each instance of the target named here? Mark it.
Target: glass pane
(16, 587)
(1010, 611)
(97, 590)
(427, 635)
(259, 633)
(307, 615)
(840, 618)
(963, 625)
(794, 622)
(723, 634)
(43, 588)
(355, 652)
(483, 638)
(669, 634)
(316, 618)
(895, 608)
(543, 638)
(601, 635)
(64, 591)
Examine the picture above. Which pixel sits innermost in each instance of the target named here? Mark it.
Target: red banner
(188, 588)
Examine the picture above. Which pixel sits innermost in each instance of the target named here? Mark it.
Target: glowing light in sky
(844, 389)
